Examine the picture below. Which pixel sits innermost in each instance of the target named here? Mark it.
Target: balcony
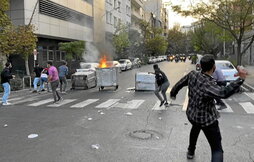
(138, 3)
(136, 14)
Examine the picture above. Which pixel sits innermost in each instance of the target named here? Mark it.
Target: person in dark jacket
(63, 72)
(37, 71)
(201, 110)
(5, 81)
(162, 84)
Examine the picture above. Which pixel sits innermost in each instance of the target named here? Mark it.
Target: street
(118, 126)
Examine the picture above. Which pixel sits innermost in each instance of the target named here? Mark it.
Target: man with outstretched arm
(201, 110)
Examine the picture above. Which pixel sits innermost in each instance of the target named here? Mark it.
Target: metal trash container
(144, 81)
(107, 77)
(83, 79)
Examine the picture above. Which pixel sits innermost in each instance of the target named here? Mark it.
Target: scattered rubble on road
(95, 146)
(128, 114)
(32, 136)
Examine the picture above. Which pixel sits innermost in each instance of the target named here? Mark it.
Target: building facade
(137, 14)
(58, 21)
(117, 12)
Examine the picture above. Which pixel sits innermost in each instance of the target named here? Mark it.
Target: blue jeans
(7, 91)
(36, 81)
(42, 80)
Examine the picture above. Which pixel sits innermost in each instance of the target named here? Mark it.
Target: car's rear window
(122, 61)
(224, 65)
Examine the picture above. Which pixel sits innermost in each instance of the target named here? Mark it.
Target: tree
(208, 38)
(176, 40)
(26, 43)
(235, 16)
(73, 49)
(4, 20)
(156, 46)
(8, 41)
(121, 40)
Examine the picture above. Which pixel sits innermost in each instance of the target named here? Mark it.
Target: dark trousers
(212, 133)
(63, 83)
(54, 86)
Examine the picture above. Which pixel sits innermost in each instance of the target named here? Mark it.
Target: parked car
(152, 60)
(89, 66)
(114, 64)
(136, 63)
(125, 64)
(198, 66)
(227, 69)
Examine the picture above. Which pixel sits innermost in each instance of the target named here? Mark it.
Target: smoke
(92, 54)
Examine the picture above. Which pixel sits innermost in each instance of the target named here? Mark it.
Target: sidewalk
(249, 82)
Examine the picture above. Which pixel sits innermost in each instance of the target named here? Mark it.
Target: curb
(249, 87)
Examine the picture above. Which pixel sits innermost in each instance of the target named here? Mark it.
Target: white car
(114, 64)
(125, 64)
(89, 66)
(227, 69)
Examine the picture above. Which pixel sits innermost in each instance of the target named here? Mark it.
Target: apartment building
(58, 21)
(116, 12)
(137, 14)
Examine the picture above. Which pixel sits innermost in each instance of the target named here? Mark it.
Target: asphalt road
(67, 133)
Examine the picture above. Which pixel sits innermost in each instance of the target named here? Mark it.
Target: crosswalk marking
(84, 103)
(25, 100)
(228, 109)
(133, 104)
(157, 107)
(66, 101)
(251, 95)
(41, 102)
(248, 107)
(108, 103)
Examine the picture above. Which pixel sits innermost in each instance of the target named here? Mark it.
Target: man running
(201, 110)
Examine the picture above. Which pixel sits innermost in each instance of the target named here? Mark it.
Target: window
(119, 5)
(50, 55)
(63, 55)
(58, 55)
(115, 21)
(108, 17)
(109, 1)
(115, 3)
(111, 18)
(44, 55)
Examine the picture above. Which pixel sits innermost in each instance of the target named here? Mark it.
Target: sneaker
(190, 154)
(222, 107)
(43, 90)
(60, 99)
(34, 91)
(6, 104)
(162, 102)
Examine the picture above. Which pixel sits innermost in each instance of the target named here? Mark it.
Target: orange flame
(103, 62)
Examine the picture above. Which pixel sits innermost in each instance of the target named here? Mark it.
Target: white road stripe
(41, 102)
(184, 73)
(248, 107)
(84, 103)
(168, 90)
(108, 103)
(25, 100)
(251, 95)
(228, 109)
(133, 104)
(157, 107)
(61, 103)
(185, 104)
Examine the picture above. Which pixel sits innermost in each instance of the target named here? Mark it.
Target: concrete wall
(99, 20)
(50, 27)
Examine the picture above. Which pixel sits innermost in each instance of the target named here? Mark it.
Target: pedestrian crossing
(246, 105)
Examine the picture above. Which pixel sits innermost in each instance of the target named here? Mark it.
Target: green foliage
(121, 40)
(26, 40)
(8, 41)
(4, 20)
(156, 46)
(176, 40)
(235, 16)
(73, 49)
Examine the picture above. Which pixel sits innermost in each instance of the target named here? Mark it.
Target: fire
(103, 62)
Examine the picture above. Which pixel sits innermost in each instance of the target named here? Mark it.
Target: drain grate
(145, 134)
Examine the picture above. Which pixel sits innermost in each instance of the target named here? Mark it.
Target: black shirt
(38, 71)
(6, 76)
(160, 77)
